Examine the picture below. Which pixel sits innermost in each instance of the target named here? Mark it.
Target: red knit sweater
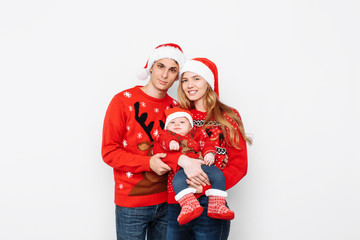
(192, 144)
(235, 169)
(132, 121)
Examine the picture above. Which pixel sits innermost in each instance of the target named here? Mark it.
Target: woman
(198, 92)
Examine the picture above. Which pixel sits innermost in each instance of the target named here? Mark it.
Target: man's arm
(113, 151)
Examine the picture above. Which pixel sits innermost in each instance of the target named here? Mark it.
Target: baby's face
(179, 125)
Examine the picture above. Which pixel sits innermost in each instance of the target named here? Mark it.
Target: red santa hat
(167, 50)
(175, 112)
(205, 68)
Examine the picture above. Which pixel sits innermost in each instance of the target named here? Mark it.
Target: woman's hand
(193, 171)
(199, 188)
(225, 161)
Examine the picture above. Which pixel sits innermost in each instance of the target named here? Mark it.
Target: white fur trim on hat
(166, 52)
(143, 74)
(184, 192)
(176, 115)
(160, 53)
(199, 68)
(216, 192)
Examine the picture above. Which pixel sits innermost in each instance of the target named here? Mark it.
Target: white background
(291, 68)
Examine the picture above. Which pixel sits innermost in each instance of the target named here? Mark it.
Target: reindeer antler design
(152, 183)
(142, 119)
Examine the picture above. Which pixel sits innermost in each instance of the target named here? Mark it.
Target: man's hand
(157, 165)
(174, 145)
(199, 188)
(193, 171)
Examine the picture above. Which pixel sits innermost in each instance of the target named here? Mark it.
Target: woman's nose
(189, 84)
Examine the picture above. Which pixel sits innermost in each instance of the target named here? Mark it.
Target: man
(132, 121)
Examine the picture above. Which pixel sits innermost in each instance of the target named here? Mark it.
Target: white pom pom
(143, 74)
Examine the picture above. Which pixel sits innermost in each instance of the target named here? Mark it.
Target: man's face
(163, 73)
(179, 125)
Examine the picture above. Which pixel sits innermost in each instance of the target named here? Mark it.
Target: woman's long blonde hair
(216, 110)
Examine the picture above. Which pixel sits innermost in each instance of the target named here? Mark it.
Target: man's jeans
(136, 223)
(202, 227)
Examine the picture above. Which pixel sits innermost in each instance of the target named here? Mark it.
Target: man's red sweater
(132, 122)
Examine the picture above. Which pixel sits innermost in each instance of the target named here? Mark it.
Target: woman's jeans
(202, 227)
(136, 223)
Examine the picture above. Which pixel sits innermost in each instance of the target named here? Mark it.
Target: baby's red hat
(176, 112)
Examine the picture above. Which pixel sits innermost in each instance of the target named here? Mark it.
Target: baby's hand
(209, 158)
(174, 145)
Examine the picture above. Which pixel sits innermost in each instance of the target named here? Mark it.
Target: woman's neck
(200, 106)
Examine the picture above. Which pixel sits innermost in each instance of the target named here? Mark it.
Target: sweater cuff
(209, 151)
(184, 192)
(172, 159)
(148, 164)
(216, 192)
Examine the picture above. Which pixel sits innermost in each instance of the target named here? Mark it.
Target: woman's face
(194, 86)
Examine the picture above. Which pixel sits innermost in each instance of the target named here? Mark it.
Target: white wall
(291, 68)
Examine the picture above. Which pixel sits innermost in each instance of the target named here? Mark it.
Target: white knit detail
(216, 192)
(166, 52)
(184, 192)
(176, 115)
(199, 68)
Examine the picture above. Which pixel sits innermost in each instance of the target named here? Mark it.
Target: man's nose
(165, 73)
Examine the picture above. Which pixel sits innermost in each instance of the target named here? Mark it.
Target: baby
(179, 135)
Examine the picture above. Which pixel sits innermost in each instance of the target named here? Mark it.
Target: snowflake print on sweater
(131, 123)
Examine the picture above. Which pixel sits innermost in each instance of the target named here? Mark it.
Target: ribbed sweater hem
(140, 201)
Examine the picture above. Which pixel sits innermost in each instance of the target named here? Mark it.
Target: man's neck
(153, 92)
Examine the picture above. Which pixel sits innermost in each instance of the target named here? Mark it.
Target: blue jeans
(200, 228)
(136, 223)
(216, 177)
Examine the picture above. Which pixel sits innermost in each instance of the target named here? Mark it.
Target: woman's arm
(236, 168)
